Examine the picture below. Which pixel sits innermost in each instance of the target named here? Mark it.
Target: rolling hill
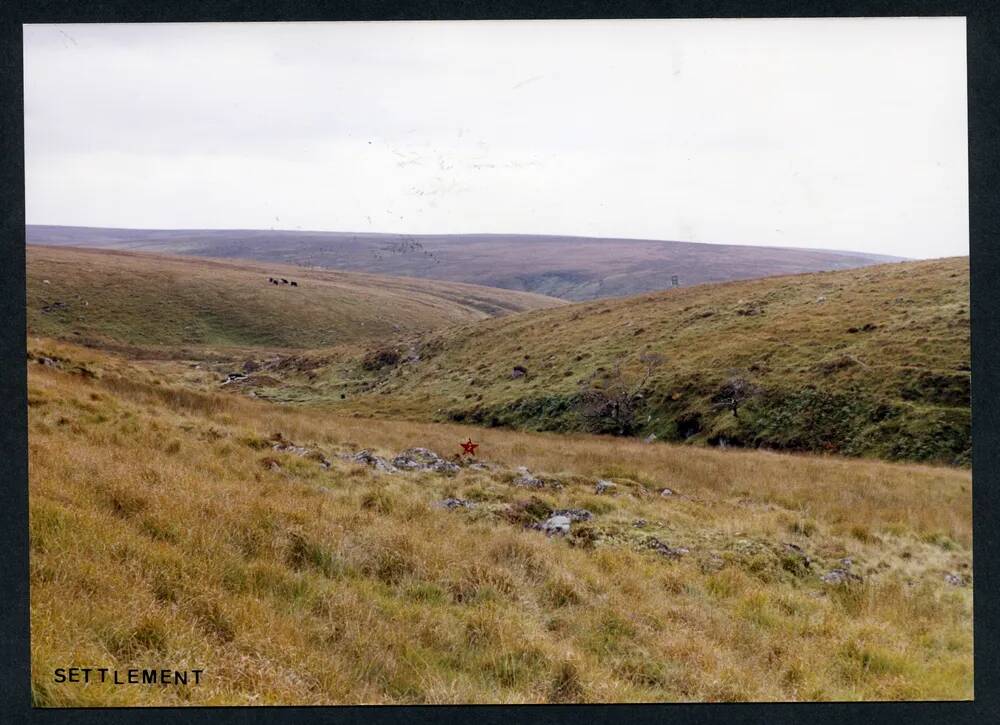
(172, 303)
(874, 361)
(323, 553)
(258, 543)
(572, 268)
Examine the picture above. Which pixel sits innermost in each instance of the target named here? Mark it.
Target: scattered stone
(667, 492)
(289, 448)
(556, 525)
(234, 378)
(605, 486)
(820, 300)
(650, 438)
(527, 480)
(45, 281)
(479, 466)
(954, 579)
(640, 523)
(519, 371)
(376, 462)
(423, 459)
(574, 514)
(271, 464)
(840, 576)
(665, 550)
(454, 503)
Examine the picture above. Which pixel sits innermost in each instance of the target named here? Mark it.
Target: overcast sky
(839, 134)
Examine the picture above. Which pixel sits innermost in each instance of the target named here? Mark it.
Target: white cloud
(827, 133)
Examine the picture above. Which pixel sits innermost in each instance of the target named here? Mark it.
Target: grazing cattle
(284, 281)
(294, 283)
(274, 281)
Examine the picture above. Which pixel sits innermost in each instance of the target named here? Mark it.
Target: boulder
(605, 486)
(527, 480)
(423, 459)
(840, 576)
(667, 492)
(574, 514)
(454, 503)
(376, 462)
(664, 549)
(556, 525)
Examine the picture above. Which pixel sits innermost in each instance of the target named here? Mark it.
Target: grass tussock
(158, 538)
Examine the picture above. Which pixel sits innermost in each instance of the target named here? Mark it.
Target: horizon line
(473, 234)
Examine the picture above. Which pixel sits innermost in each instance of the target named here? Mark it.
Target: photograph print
(466, 362)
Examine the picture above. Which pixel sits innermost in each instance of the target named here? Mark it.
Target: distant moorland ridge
(568, 267)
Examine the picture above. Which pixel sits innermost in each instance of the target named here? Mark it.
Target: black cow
(274, 281)
(294, 283)
(284, 281)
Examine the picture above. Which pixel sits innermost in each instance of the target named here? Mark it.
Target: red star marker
(469, 447)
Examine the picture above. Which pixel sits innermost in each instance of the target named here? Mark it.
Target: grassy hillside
(873, 361)
(150, 301)
(573, 268)
(291, 583)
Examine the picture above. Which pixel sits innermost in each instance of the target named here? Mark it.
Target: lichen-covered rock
(377, 462)
(454, 503)
(574, 514)
(840, 576)
(283, 445)
(527, 480)
(423, 459)
(664, 549)
(605, 486)
(556, 526)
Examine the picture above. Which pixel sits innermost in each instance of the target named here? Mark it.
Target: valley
(571, 268)
(270, 480)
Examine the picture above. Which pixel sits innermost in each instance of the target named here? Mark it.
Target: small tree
(735, 391)
(612, 405)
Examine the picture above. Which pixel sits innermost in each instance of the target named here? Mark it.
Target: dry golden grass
(865, 362)
(158, 539)
(165, 304)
